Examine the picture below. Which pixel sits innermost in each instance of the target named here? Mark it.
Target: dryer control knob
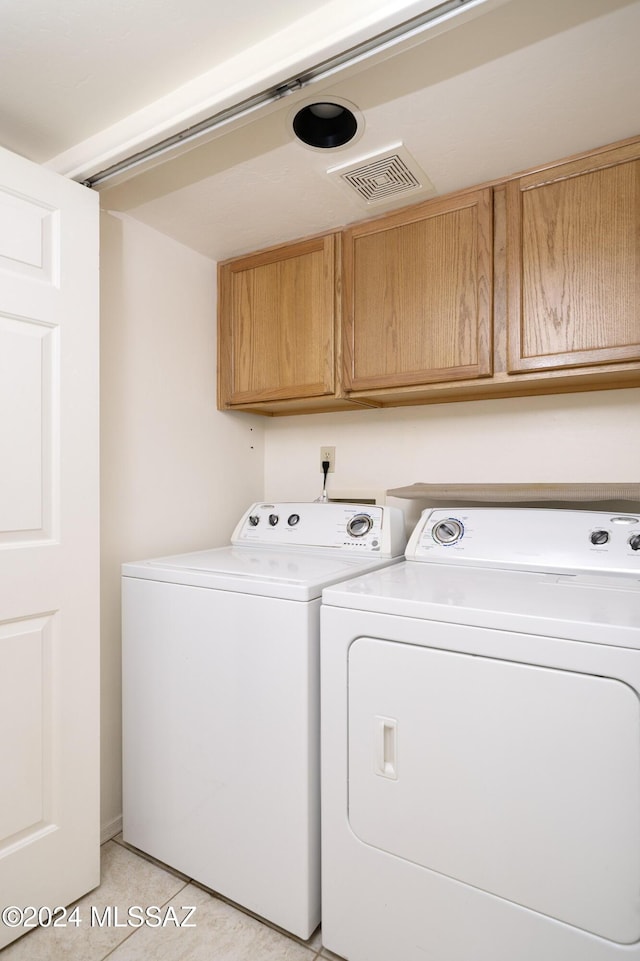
(254, 520)
(634, 542)
(448, 531)
(599, 537)
(273, 519)
(293, 520)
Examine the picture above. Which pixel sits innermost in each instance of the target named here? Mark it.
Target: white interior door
(49, 517)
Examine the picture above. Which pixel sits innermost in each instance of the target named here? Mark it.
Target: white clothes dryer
(481, 743)
(221, 698)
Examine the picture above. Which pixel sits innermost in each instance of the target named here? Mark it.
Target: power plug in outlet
(328, 454)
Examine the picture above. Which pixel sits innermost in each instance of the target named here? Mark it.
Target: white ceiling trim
(326, 33)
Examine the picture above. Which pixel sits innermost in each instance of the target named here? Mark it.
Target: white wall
(176, 473)
(568, 438)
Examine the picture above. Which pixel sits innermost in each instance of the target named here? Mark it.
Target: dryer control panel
(528, 539)
(353, 528)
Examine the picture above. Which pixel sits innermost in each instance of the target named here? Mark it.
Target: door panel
(28, 392)
(417, 294)
(29, 235)
(519, 780)
(573, 254)
(25, 653)
(276, 323)
(49, 517)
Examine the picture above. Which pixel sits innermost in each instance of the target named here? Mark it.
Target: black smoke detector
(325, 124)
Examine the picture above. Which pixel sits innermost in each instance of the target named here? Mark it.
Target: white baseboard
(108, 831)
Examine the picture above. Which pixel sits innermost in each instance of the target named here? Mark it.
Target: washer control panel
(354, 528)
(528, 539)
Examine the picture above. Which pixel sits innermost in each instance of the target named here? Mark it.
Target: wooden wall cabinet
(573, 263)
(278, 328)
(418, 295)
(527, 286)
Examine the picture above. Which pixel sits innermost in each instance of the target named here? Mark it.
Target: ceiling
(103, 61)
(77, 73)
(521, 84)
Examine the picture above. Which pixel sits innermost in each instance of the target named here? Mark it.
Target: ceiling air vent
(384, 176)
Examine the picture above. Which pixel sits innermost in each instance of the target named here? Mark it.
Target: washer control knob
(254, 520)
(448, 531)
(273, 519)
(359, 525)
(634, 542)
(293, 520)
(599, 537)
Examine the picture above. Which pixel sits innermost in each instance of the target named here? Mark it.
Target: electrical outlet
(328, 453)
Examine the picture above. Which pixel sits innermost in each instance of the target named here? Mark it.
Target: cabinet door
(276, 324)
(573, 255)
(418, 305)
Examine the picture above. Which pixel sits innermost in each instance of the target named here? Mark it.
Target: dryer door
(520, 780)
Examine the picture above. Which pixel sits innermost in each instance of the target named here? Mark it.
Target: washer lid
(591, 607)
(295, 575)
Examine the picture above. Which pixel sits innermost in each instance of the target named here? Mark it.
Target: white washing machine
(221, 700)
(481, 743)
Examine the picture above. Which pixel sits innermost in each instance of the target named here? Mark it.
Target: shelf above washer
(581, 496)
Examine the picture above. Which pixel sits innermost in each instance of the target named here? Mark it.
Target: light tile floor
(222, 932)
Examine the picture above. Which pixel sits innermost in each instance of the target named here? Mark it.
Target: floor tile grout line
(135, 930)
(119, 944)
(149, 860)
(119, 840)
